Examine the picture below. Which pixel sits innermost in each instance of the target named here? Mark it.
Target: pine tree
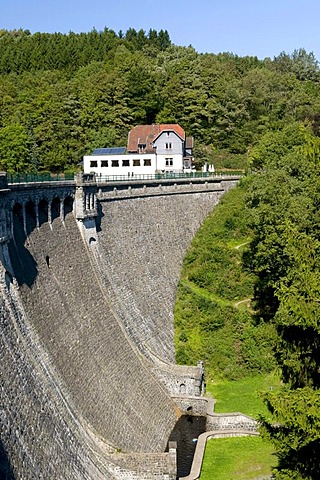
(285, 256)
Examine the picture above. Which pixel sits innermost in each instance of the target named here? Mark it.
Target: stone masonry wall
(95, 364)
(74, 390)
(181, 379)
(144, 241)
(39, 436)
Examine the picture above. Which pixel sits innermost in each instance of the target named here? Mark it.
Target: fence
(167, 175)
(38, 177)
(50, 177)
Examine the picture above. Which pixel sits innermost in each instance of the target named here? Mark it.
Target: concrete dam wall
(87, 336)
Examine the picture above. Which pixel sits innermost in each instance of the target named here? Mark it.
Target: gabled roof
(147, 134)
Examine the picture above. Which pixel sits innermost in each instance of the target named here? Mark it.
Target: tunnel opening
(185, 434)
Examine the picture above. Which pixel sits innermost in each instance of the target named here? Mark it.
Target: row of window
(126, 163)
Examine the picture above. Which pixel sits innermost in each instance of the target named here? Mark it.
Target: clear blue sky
(245, 27)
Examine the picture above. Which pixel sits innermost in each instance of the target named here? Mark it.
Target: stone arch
(55, 208)
(17, 216)
(92, 240)
(43, 208)
(31, 217)
(17, 211)
(18, 220)
(68, 205)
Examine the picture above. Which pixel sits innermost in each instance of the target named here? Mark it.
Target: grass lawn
(238, 458)
(242, 395)
(243, 458)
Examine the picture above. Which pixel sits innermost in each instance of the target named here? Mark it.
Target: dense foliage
(62, 95)
(213, 318)
(285, 257)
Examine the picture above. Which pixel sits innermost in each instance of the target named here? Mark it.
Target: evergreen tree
(285, 256)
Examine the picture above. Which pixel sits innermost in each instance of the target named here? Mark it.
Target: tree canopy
(70, 92)
(285, 258)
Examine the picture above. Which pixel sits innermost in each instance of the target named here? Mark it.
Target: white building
(151, 149)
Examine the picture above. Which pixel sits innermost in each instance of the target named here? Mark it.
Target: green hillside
(62, 95)
(213, 313)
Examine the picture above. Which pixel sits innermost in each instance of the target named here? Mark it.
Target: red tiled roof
(146, 135)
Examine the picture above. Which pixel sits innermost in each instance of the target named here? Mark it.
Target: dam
(88, 278)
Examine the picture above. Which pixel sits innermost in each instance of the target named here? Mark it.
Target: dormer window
(141, 147)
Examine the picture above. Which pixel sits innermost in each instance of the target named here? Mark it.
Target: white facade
(169, 148)
(125, 164)
(169, 163)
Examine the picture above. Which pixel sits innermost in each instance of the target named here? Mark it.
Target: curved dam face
(86, 326)
(144, 241)
(99, 370)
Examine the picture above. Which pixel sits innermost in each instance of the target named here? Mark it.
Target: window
(136, 163)
(93, 163)
(169, 162)
(147, 162)
(104, 163)
(126, 163)
(169, 146)
(114, 163)
(141, 147)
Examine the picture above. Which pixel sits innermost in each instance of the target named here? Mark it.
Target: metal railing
(50, 177)
(38, 177)
(164, 176)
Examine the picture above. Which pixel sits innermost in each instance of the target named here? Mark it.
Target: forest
(251, 280)
(251, 277)
(62, 95)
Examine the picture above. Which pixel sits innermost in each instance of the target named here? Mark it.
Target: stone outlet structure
(88, 276)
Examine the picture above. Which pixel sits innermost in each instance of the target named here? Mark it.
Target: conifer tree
(285, 256)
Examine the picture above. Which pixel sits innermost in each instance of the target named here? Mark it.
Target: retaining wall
(40, 437)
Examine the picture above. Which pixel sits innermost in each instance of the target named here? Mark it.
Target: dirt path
(246, 300)
(241, 245)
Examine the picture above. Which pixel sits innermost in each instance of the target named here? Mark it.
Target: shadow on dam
(5, 467)
(185, 434)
